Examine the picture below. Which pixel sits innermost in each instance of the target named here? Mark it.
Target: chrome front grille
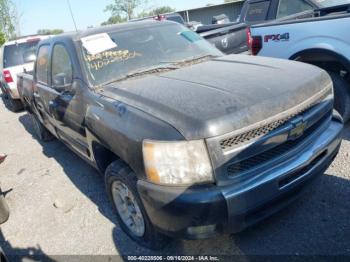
(230, 143)
(276, 152)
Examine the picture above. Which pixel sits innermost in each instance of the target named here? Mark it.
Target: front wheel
(121, 188)
(341, 95)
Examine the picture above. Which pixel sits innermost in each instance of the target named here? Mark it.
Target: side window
(257, 11)
(290, 7)
(62, 70)
(42, 65)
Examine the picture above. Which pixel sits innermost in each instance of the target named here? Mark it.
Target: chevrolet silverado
(191, 143)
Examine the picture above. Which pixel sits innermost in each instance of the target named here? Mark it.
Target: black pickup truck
(231, 38)
(191, 142)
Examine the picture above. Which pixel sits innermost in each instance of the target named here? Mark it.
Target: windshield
(141, 49)
(329, 3)
(19, 54)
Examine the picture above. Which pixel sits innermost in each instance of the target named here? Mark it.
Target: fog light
(201, 230)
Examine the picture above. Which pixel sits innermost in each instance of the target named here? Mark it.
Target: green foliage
(160, 10)
(7, 19)
(116, 19)
(124, 7)
(50, 31)
(2, 38)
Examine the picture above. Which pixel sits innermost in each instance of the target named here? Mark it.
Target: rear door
(42, 92)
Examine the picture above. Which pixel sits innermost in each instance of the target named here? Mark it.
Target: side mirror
(60, 82)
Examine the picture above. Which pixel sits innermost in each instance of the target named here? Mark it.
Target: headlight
(177, 163)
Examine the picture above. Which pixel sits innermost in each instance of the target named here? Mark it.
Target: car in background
(175, 17)
(321, 40)
(16, 56)
(231, 38)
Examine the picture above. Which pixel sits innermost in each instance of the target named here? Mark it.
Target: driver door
(62, 100)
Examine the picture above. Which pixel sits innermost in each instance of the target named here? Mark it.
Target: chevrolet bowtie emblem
(298, 129)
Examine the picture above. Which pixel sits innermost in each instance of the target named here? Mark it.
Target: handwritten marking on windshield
(102, 60)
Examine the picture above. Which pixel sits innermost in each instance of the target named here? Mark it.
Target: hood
(221, 95)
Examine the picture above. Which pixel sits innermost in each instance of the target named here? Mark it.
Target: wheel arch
(102, 156)
(323, 58)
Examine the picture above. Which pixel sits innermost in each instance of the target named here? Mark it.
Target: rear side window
(257, 11)
(288, 7)
(19, 54)
(61, 64)
(42, 64)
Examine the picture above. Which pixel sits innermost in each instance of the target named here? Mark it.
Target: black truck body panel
(210, 101)
(200, 104)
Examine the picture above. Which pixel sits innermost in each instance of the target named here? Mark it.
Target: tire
(41, 131)
(4, 209)
(15, 105)
(341, 95)
(3, 92)
(118, 173)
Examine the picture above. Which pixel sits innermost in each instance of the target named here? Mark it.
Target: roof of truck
(25, 39)
(77, 35)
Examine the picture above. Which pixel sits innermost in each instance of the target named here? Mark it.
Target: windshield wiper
(152, 70)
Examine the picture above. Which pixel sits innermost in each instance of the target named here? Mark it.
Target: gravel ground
(59, 207)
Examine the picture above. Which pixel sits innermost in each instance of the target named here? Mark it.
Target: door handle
(52, 106)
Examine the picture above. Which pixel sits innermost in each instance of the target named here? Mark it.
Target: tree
(49, 31)
(8, 19)
(162, 10)
(2, 38)
(124, 7)
(116, 19)
(157, 11)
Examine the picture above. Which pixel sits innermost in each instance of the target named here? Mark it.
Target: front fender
(122, 128)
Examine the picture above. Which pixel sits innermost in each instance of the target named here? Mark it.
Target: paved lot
(59, 207)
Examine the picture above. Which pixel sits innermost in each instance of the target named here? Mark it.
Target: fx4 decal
(277, 37)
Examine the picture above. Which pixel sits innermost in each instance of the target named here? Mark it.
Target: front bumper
(203, 211)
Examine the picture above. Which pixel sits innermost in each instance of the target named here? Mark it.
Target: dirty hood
(221, 95)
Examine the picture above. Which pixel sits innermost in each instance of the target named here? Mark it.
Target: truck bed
(229, 38)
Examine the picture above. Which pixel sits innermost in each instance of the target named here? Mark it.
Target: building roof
(210, 6)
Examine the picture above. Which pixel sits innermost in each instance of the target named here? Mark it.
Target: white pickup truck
(320, 38)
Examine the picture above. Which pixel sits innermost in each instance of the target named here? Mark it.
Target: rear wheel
(40, 130)
(15, 105)
(121, 188)
(341, 95)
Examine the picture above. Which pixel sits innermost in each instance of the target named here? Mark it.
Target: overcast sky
(50, 14)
